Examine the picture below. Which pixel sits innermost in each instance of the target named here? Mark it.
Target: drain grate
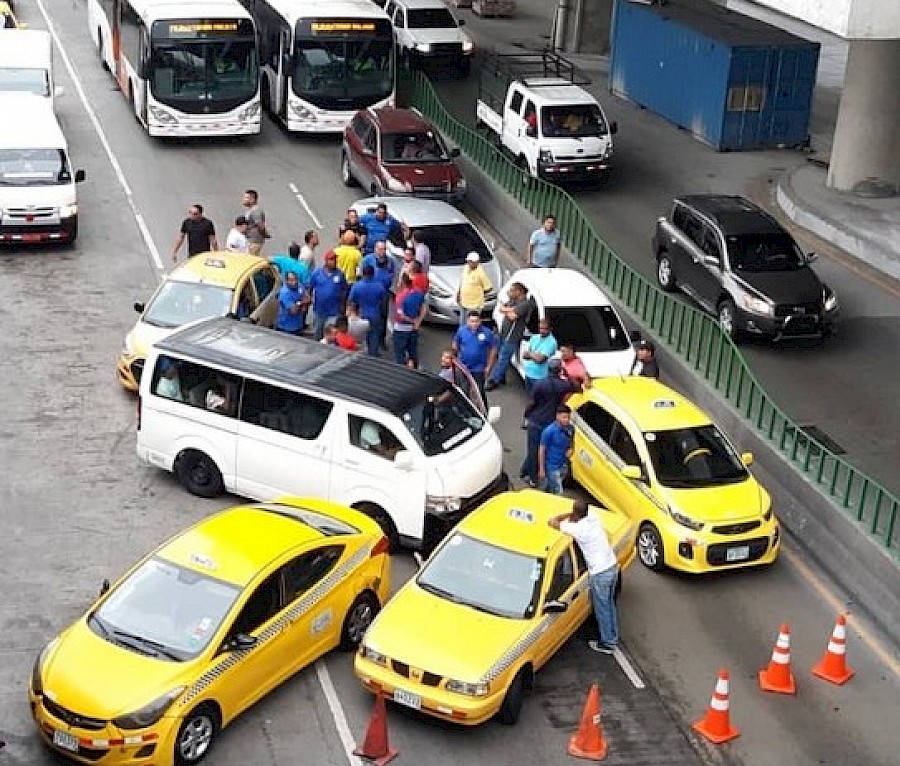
(824, 439)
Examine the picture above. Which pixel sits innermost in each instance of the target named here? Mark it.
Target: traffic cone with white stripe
(588, 742)
(777, 676)
(833, 665)
(716, 724)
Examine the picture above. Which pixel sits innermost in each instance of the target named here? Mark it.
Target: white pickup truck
(534, 108)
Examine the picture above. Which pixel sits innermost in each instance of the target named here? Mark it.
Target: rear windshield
(34, 167)
(449, 243)
(414, 148)
(764, 252)
(587, 328)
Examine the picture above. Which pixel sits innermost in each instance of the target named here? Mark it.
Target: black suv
(739, 264)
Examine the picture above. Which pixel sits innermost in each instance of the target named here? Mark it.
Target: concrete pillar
(865, 156)
(588, 26)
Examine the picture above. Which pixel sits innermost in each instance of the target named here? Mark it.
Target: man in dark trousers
(516, 311)
(547, 395)
(199, 232)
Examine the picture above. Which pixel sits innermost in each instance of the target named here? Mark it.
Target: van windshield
(443, 421)
(24, 80)
(34, 167)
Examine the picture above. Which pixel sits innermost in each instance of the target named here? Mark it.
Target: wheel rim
(200, 474)
(196, 738)
(726, 318)
(358, 622)
(664, 272)
(345, 169)
(648, 548)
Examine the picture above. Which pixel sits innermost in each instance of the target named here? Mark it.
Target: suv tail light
(382, 546)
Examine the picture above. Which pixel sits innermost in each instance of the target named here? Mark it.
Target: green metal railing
(691, 334)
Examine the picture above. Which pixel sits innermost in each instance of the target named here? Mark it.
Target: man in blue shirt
(555, 451)
(409, 310)
(292, 303)
(291, 263)
(379, 226)
(544, 244)
(535, 358)
(476, 347)
(329, 292)
(385, 272)
(369, 296)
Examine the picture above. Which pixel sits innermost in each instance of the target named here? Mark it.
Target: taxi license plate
(738, 553)
(407, 698)
(65, 740)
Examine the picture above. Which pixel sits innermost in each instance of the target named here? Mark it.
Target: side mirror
(531, 131)
(241, 642)
(632, 472)
(555, 607)
(454, 152)
(811, 257)
(613, 127)
(495, 412)
(104, 587)
(747, 459)
(58, 90)
(404, 461)
(80, 175)
(139, 307)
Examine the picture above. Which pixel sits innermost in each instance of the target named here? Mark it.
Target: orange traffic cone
(375, 747)
(588, 742)
(716, 724)
(777, 676)
(833, 665)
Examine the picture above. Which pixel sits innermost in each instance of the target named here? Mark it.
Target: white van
(38, 202)
(228, 405)
(26, 63)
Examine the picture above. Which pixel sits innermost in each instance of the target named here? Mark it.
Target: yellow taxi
(647, 450)
(206, 285)
(463, 639)
(206, 625)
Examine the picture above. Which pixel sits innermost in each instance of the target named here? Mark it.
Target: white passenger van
(228, 405)
(38, 201)
(26, 63)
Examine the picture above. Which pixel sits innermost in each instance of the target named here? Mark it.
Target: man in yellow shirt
(474, 285)
(349, 256)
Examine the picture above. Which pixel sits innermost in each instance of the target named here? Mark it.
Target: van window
(196, 385)
(34, 167)
(443, 421)
(281, 410)
(373, 437)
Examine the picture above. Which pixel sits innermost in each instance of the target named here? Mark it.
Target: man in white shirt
(603, 570)
(237, 237)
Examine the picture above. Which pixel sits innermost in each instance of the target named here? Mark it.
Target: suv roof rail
(530, 66)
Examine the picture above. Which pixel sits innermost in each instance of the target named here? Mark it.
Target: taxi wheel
(512, 702)
(196, 735)
(650, 548)
(359, 617)
(199, 474)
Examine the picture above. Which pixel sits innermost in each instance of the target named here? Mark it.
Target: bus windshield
(343, 74)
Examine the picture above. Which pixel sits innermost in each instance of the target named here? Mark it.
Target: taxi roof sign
(521, 515)
(664, 404)
(215, 263)
(202, 560)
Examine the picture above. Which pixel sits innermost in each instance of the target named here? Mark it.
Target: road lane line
(840, 606)
(302, 200)
(337, 712)
(113, 160)
(628, 668)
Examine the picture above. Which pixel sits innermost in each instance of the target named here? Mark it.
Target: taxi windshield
(178, 303)
(688, 458)
(484, 576)
(164, 610)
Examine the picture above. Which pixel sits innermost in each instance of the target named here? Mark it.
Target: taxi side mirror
(555, 607)
(747, 459)
(632, 472)
(241, 642)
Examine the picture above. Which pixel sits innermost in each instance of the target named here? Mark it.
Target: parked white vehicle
(26, 63)
(579, 314)
(427, 31)
(535, 109)
(228, 405)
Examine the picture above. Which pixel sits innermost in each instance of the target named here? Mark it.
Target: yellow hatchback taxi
(463, 639)
(646, 449)
(204, 286)
(206, 625)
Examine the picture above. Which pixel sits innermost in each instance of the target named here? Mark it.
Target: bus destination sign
(342, 26)
(199, 29)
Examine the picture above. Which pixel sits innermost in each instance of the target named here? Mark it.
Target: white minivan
(38, 202)
(228, 405)
(26, 63)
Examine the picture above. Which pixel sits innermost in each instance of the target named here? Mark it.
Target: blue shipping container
(732, 81)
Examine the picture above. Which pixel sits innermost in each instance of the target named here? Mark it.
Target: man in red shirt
(572, 367)
(342, 337)
(419, 277)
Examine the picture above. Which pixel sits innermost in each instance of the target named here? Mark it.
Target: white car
(579, 313)
(450, 236)
(427, 31)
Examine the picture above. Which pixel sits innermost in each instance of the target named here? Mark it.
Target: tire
(265, 95)
(101, 51)
(196, 735)
(726, 312)
(650, 548)
(199, 474)
(346, 174)
(509, 711)
(383, 519)
(357, 621)
(665, 272)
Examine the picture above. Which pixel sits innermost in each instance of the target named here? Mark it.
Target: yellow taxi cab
(206, 625)
(647, 450)
(204, 286)
(8, 18)
(463, 639)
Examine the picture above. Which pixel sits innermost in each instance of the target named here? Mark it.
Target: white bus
(188, 69)
(323, 61)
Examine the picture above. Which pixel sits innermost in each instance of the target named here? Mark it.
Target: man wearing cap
(555, 451)
(645, 363)
(236, 241)
(474, 285)
(476, 347)
(329, 291)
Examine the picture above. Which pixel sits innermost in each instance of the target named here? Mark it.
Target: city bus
(321, 62)
(187, 69)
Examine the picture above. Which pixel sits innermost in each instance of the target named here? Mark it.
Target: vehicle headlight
(298, 110)
(68, 211)
(686, 521)
(757, 305)
(396, 185)
(149, 714)
(461, 183)
(480, 689)
(423, 47)
(441, 504)
(368, 653)
(250, 112)
(468, 46)
(161, 115)
(545, 155)
(829, 299)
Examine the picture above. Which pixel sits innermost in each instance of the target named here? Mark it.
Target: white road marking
(113, 160)
(337, 713)
(302, 200)
(628, 668)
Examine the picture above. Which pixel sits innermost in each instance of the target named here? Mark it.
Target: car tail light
(382, 546)
(139, 412)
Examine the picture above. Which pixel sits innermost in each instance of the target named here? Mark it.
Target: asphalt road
(77, 507)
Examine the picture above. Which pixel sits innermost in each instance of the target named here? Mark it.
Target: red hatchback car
(398, 152)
